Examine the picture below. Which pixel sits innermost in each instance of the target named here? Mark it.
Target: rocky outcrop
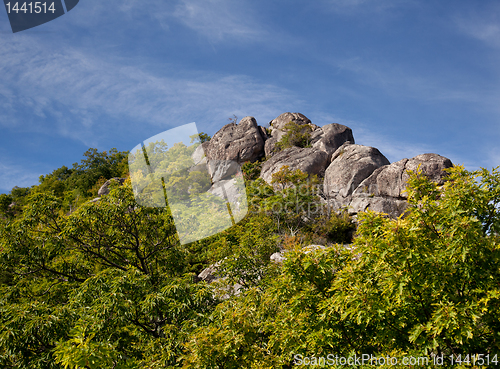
(384, 189)
(308, 160)
(351, 164)
(276, 125)
(210, 274)
(104, 190)
(355, 176)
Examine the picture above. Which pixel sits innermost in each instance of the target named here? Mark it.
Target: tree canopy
(108, 284)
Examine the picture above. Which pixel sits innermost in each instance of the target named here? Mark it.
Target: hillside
(340, 254)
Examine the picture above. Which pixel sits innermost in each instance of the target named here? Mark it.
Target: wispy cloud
(220, 19)
(14, 175)
(80, 91)
(483, 26)
(400, 81)
(366, 7)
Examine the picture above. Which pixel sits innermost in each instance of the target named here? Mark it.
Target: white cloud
(78, 89)
(216, 20)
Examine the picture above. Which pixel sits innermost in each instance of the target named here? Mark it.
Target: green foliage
(333, 228)
(103, 286)
(5, 202)
(296, 200)
(251, 171)
(422, 285)
(430, 280)
(80, 183)
(295, 135)
(109, 285)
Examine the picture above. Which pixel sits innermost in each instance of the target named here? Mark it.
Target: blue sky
(409, 77)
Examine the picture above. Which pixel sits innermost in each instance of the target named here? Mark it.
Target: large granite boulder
(384, 189)
(309, 160)
(330, 137)
(239, 142)
(234, 144)
(351, 164)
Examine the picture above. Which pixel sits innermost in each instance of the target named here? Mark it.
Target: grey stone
(277, 257)
(277, 126)
(330, 137)
(309, 160)
(233, 145)
(384, 189)
(227, 190)
(238, 142)
(199, 155)
(210, 273)
(350, 165)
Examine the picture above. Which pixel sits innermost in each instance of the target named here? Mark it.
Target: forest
(108, 284)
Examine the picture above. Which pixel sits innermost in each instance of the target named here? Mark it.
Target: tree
(428, 281)
(296, 200)
(105, 285)
(424, 284)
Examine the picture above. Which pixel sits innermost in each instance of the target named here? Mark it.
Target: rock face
(351, 164)
(330, 137)
(309, 160)
(276, 125)
(232, 145)
(239, 142)
(384, 189)
(104, 190)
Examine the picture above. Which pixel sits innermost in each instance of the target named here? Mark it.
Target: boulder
(330, 137)
(278, 257)
(210, 273)
(327, 138)
(199, 155)
(104, 190)
(384, 189)
(238, 142)
(309, 160)
(350, 165)
(233, 145)
(270, 146)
